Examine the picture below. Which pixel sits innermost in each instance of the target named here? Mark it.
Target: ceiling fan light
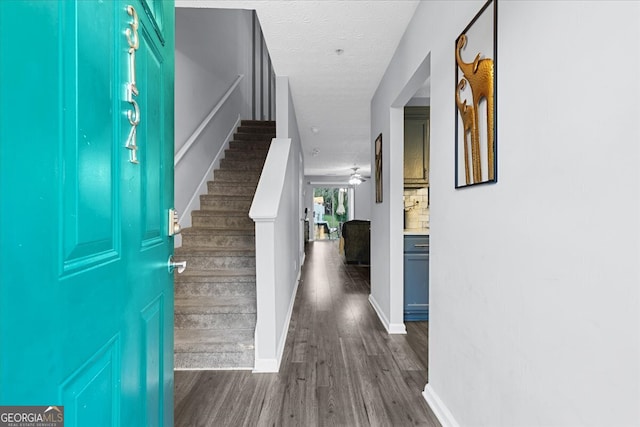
(355, 178)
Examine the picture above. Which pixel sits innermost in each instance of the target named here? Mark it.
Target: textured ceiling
(330, 92)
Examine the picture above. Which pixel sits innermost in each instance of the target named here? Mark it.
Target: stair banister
(266, 201)
(270, 214)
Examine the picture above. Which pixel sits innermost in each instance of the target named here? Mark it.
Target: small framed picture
(378, 147)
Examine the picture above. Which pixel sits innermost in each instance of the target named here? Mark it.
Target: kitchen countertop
(416, 232)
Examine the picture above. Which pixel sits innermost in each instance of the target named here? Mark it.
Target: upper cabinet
(416, 147)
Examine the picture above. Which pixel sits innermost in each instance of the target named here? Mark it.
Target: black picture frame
(378, 168)
(477, 163)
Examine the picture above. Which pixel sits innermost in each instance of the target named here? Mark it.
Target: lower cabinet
(416, 278)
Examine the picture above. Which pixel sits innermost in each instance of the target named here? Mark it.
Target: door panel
(152, 345)
(90, 218)
(416, 145)
(86, 300)
(92, 393)
(150, 68)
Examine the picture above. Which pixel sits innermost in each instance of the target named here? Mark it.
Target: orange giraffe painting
(469, 127)
(480, 75)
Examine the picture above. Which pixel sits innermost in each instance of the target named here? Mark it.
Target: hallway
(339, 367)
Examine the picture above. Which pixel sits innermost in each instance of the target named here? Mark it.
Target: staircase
(215, 297)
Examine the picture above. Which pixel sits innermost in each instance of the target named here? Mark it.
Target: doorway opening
(331, 209)
(410, 126)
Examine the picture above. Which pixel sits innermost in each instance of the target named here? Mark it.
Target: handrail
(187, 145)
(266, 200)
(201, 188)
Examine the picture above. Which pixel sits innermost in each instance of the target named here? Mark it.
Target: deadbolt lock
(174, 226)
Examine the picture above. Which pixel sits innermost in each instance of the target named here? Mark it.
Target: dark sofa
(357, 241)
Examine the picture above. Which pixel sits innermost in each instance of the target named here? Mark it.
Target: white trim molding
(265, 366)
(392, 328)
(212, 369)
(438, 407)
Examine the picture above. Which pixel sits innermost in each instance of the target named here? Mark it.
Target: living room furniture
(357, 241)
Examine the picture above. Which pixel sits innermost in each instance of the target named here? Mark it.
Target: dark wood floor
(340, 367)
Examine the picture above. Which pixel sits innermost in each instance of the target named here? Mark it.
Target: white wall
(534, 297)
(213, 47)
(286, 113)
(288, 246)
(363, 199)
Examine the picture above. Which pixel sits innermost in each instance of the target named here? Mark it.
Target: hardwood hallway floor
(340, 367)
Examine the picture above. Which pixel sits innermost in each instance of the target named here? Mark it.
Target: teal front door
(86, 183)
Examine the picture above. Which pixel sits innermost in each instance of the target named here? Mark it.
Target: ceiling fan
(356, 178)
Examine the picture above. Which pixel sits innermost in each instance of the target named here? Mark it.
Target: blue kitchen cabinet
(416, 278)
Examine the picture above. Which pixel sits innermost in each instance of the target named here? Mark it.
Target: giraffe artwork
(475, 99)
(467, 113)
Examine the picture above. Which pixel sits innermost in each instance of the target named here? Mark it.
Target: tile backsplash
(416, 208)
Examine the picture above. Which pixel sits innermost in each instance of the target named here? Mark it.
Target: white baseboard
(266, 366)
(397, 328)
(285, 329)
(392, 328)
(439, 408)
(194, 203)
(273, 365)
(212, 369)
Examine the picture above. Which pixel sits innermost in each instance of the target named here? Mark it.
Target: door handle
(172, 265)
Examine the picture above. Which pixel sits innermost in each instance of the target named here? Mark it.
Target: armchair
(357, 241)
